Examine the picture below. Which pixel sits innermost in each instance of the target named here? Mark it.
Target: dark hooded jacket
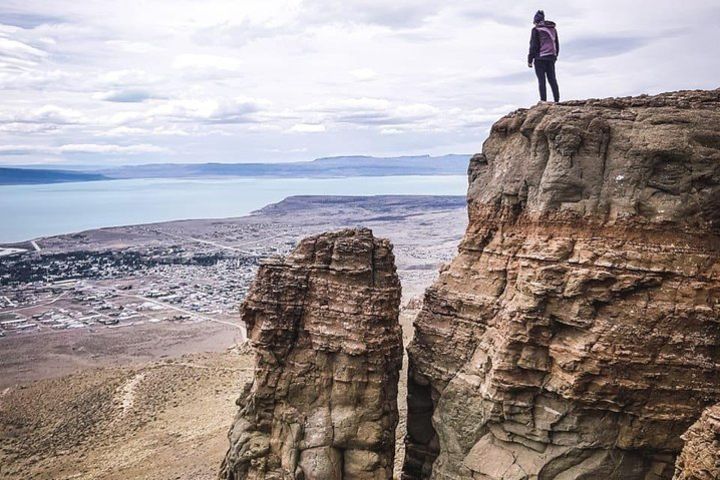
(544, 42)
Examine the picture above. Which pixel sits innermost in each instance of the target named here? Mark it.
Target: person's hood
(546, 24)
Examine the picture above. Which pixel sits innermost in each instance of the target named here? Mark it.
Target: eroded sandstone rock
(576, 335)
(324, 326)
(700, 458)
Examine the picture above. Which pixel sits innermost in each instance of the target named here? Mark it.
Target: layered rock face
(324, 326)
(700, 458)
(576, 335)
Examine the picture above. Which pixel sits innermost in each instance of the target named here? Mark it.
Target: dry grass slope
(165, 420)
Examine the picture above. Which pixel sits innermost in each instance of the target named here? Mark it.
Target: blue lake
(30, 211)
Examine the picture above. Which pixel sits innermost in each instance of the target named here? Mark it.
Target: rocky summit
(323, 323)
(576, 334)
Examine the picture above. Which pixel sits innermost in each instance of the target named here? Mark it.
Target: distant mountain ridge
(24, 176)
(323, 167)
(346, 166)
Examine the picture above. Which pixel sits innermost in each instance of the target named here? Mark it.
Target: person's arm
(557, 44)
(534, 46)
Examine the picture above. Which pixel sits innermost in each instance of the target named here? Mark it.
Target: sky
(127, 82)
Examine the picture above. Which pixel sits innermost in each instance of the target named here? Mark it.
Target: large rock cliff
(576, 335)
(324, 325)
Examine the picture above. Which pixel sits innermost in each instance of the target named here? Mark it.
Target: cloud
(34, 79)
(398, 13)
(488, 14)
(85, 148)
(592, 47)
(376, 112)
(14, 48)
(27, 20)
(128, 77)
(363, 74)
(308, 128)
(515, 78)
(17, 55)
(132, 47)
(129, 95)
(234, 111)
(46, 114)
(194, 61)
(369, 76)
(109, 148)
(43, 119)
(20, 150)
(217, 111)
(146, 131)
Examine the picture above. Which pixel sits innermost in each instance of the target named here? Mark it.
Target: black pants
(546, 68)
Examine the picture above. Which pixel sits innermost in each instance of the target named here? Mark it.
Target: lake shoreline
(38, 211)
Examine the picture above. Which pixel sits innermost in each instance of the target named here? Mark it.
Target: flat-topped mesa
(324, 325)
(576, 335)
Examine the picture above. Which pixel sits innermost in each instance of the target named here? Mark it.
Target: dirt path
(128, 393)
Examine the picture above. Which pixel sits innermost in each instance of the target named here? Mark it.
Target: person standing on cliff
(544, 50)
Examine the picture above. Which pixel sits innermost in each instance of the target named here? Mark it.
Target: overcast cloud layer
(108, 82)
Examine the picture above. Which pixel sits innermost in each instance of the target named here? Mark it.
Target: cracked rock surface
(576, 335)
(324, 326)
(700, 458)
